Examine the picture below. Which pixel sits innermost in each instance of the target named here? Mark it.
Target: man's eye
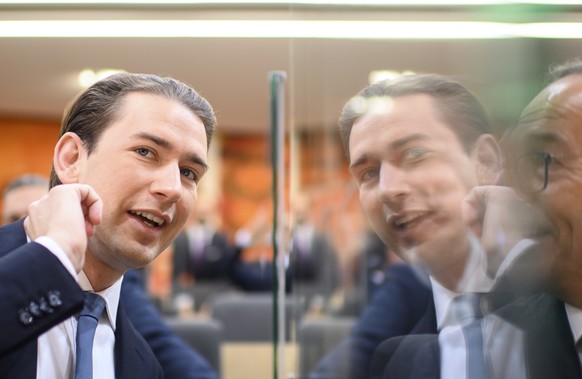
(369, 174)
(190, 174)
(414, 154)
(143, 151)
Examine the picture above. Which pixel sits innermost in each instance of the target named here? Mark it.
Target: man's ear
(488, 159)
(68, 155)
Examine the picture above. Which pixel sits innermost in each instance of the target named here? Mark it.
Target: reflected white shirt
(499, 335)
(575, 320)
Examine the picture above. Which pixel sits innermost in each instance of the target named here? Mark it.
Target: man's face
(17, 201)
(413, 174)
(552, 123)
(146, 167)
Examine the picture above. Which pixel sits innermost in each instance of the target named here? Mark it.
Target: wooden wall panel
(26, 146)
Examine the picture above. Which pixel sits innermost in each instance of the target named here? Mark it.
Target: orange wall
(26, 146)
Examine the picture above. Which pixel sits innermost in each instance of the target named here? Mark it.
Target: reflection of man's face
(552, 123)
(413, 173)
(17, 201)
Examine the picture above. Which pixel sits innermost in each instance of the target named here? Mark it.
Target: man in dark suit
(417, 145)
(402, 305)
(131, 152)
(201, 253)
(543, 161)
(313, 259)
(544, 165)
(178, 360)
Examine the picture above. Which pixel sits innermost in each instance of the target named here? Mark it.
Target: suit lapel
(549, 344)
(133, 357)
(408, 357)
(427, 324)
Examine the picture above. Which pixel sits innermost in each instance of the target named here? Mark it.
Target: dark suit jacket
(214, 263)
(177, 359)
(31, 276)
(548, 346)
(315, 271)
(402, 305)
(407, 357)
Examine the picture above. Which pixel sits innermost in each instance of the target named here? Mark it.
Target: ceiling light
(379, 75)
(399, 30)
(250, 2)
(256, 29)
(87, 77)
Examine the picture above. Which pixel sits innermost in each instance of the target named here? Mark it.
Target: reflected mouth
(409, 220)
(149, 219)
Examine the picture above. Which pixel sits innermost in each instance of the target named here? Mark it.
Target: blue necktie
(470, 315)
(88, 320)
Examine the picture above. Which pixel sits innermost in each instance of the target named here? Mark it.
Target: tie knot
(93, 305)
(468, 306)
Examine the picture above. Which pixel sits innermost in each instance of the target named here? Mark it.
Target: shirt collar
(575, 320)
(475, 278)
(442, 302)
(110, 294)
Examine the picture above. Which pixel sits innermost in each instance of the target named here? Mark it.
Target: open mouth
(149, 219)
(408, 220)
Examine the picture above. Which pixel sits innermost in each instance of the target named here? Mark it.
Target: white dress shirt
(56, 347)
(500, 338)
(575, 319)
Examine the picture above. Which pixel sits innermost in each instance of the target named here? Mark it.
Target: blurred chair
(317, 337)
(204, 335)
(202, 293)
(249, 317)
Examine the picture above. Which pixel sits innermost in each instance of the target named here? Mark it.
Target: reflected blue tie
(467, 307)
(88, 320)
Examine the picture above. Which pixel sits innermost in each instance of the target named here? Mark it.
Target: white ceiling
(38, 75)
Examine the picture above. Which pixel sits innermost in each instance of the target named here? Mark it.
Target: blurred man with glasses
(543, 162)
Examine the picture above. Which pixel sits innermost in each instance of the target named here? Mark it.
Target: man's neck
(99, 274)
(569, 288)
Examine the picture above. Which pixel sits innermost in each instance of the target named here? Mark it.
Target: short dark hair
(96, 108)
(460, 109)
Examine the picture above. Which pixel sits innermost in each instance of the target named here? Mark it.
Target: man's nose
(168, 183)
(393, 184)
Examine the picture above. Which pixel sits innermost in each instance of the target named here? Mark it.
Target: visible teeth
(156, 220)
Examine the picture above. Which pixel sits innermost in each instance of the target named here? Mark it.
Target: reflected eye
(369, 174)
(414, 154)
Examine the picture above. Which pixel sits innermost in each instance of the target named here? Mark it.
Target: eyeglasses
(531, 171)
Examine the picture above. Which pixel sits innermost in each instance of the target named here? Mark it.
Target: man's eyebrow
(394, 145)
(406, 140)
(195, 159)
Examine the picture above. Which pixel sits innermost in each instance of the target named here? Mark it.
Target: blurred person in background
(201, 252)
(313, 259)
(18, 195)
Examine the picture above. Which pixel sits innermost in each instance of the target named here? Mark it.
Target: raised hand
(68, 214)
